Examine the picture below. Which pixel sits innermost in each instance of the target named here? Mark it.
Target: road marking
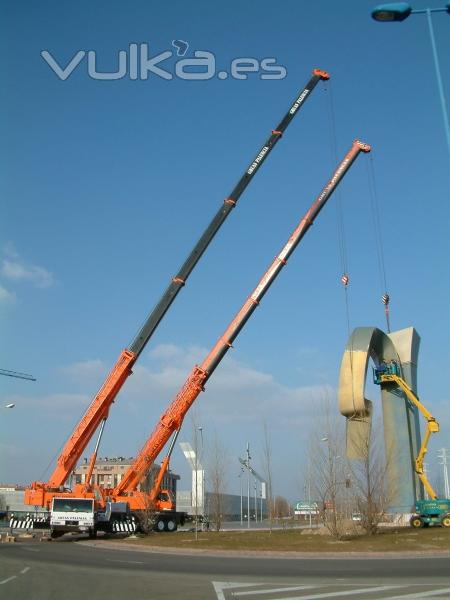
(9, 579)
(30, 549)
(23, 571)
(421, 594)
(274, 590)
(219, 586)
(128, 562)
(381, 588)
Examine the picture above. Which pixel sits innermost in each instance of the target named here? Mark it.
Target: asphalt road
(31, 570)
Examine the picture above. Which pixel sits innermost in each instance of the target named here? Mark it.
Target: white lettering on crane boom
(298, 101)
(257, 160)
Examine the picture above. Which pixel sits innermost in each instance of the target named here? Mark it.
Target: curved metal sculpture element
(400, 419)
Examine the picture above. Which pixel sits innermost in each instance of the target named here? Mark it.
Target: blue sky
(107, 185)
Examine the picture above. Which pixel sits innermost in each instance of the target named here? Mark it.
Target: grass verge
(294, 540)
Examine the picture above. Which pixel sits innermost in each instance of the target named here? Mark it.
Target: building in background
(108, 472)
(11, 500)
(230, 506)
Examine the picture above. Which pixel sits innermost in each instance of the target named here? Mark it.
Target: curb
(265, 553)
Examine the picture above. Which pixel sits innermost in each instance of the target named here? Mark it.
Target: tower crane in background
(17, 374)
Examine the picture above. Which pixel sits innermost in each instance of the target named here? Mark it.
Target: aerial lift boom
(390, 373)
(172, 419)
(435, 511)
(41, 493)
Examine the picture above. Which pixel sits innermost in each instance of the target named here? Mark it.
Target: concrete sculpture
(400, 418)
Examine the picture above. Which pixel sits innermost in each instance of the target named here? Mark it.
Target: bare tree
(147, 516)
(217, 471)
(328, 469)
(368, 480)
(281, 507)
(267, 462)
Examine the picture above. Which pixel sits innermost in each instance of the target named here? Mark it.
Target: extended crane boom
(40, 493)
(172, 419)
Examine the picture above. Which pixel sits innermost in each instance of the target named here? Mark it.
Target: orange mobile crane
(126, 492)
(42, 493)
(171, 421)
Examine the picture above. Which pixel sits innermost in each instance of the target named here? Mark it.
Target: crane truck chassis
(80, 515)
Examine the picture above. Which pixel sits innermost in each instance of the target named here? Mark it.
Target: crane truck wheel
(160, 525)
(446, 521)
(171, 525)
(416, 522)
(56, 534)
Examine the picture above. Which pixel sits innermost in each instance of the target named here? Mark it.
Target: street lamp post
(240, 479)
(202, 475)
(444, 458)
(197, 464)
(309, 498)
(399, 11)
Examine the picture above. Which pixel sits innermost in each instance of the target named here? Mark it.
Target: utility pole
(443, 455)
(248, 485)
(245, 462)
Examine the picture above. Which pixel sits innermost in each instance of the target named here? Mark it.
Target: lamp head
(396, 11)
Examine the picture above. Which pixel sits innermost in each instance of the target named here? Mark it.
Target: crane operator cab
(166, 500)
(71, 515)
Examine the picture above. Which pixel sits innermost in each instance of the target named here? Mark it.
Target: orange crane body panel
(40, 493)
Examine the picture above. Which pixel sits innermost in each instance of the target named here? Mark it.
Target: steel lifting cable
(385, 298)
(345, 278)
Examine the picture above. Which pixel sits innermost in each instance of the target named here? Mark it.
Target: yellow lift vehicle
(429, 512)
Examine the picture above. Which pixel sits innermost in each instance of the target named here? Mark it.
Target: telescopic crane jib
(41, 493)
(172, 419)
